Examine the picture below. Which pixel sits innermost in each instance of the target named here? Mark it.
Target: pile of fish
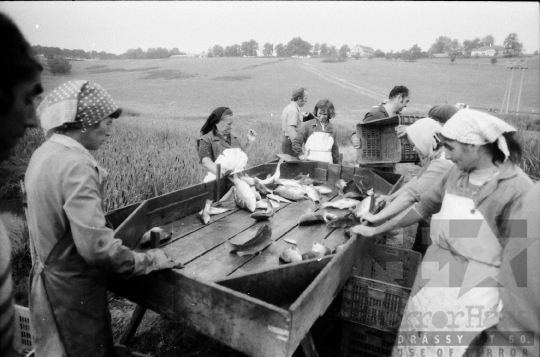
(293, 255)
(262, 197)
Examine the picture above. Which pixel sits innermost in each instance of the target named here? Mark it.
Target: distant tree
(58, 65)
(356, 56)
(280, 50)
(268, 49)
(455, 47)
(209, 52)
(298, 47)
(218, 51)
(250, 48)
(469, 45)
(176, 51)
(512, 46)
(388, 55)
(316, 48)
(343, 51)
(488, 40)
(379, 54)
(442, 44)
(397, 55)
(493, 60)
(535, 53)
(414, 52)
(323, 49)
(332, 51)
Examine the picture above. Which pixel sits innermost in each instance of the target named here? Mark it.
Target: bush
(59, 65)
(493, 60)
(452, 58)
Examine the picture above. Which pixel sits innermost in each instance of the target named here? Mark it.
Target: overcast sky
(195, 26)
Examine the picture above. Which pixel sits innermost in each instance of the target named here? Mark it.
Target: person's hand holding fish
(368, 217)
(303, 157)
(365, 231)
(251, 135)
(383, 198)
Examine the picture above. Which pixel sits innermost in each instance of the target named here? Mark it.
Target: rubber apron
(230, 159)
(451, 292)
(77, 296)
(318, 147)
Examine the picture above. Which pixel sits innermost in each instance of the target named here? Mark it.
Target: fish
(290, 241)
(289, 182)
(318, 247)
(227, 201)
(263, 204)
(290, 193)
(277, 198)
(340, 221)
(256, 193)
(261, 187)
(218, 210)
(343, 203)
(163, 235)
(351, 191)
(323, 190)
(290, 255)
(341, 184)
(205, 213)
(347, 232)
(255, 244)
(304, 179)
(244, 196)
(262, 215)
(275, 176)
(311, 254)
(310, 218)
(363, 207)
(249, 180)
(313, 194)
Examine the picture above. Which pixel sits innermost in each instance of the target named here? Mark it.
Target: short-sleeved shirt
(377, 112)
(212, 145)
(290, 116)
(496, 200)
(427, 178)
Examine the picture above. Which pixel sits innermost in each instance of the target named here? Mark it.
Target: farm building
(202, 55)
(362, 51)
(441, 55)
(487, 51)
(183, 56)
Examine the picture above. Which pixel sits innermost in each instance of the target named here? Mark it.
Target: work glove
(251, 135)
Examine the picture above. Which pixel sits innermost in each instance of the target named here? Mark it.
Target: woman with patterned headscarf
(73, 250)
(423, 135)
(456, 287)
(219, 145)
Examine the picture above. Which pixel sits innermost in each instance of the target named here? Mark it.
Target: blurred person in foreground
(472, 205)
(291, 119)
(73, 249)
(518, 331)
(219, 145)
(20, 84)
(318, 136)
(423, 135)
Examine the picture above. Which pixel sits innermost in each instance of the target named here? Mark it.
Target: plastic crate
(23, 338)
(379, 143)
(363, 341)
(389, 264)
(374, 303)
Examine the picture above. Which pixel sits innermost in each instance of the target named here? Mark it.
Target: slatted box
(379, 143)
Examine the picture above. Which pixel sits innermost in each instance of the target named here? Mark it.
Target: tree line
(135, 53)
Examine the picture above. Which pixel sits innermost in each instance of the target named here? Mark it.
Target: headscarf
(77, 103)
(473, 127)
(423, 134)
(214, 118)
(442, 113)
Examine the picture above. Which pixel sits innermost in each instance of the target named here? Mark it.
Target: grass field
(153, 146)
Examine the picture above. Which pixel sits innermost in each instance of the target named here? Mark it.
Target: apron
(319, 147)
(230, 159)
(77, 307)
(450, 296)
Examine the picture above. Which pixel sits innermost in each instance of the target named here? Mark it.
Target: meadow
(152, 149)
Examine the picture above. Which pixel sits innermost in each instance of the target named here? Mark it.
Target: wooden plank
(347, 173)
(175, 211)
(370, 180)
(249, 325)
(317, 297)
(118, 216)
(133, 228)
(321, 174)
(219, 263)
(334, 172)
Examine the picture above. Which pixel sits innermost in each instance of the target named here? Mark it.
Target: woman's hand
(368, 217)
(383, 198)
(401, 130)
(303, 157)
(364, 231)
(251, 135)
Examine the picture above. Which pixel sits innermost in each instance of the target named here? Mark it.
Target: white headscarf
(473, 127)
(423, 134)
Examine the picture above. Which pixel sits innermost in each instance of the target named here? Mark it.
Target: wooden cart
(253, 304)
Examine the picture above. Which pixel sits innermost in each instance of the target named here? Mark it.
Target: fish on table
(334, 221)
(260, 241)
(323, 190)
(244, 195)
(313, 194)
(261, 215)
(277, 198)
(343, 203)
(290, 255)
(290, 193)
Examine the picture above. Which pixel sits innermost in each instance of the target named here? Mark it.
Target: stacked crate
(374, 299)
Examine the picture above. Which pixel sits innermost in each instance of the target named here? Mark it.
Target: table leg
(136, 319)
(308, 346)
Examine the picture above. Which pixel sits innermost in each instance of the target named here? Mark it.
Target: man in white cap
(471, 206)
(73, 249)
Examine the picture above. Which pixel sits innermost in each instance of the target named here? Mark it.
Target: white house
(362, 51)
(441, 55)
(183, 56)
(487, 51)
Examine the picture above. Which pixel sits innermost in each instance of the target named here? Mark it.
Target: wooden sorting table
(254, 304)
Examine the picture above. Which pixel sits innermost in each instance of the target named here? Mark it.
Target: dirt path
(341, 82)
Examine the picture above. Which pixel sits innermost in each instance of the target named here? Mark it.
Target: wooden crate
(251, 303)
